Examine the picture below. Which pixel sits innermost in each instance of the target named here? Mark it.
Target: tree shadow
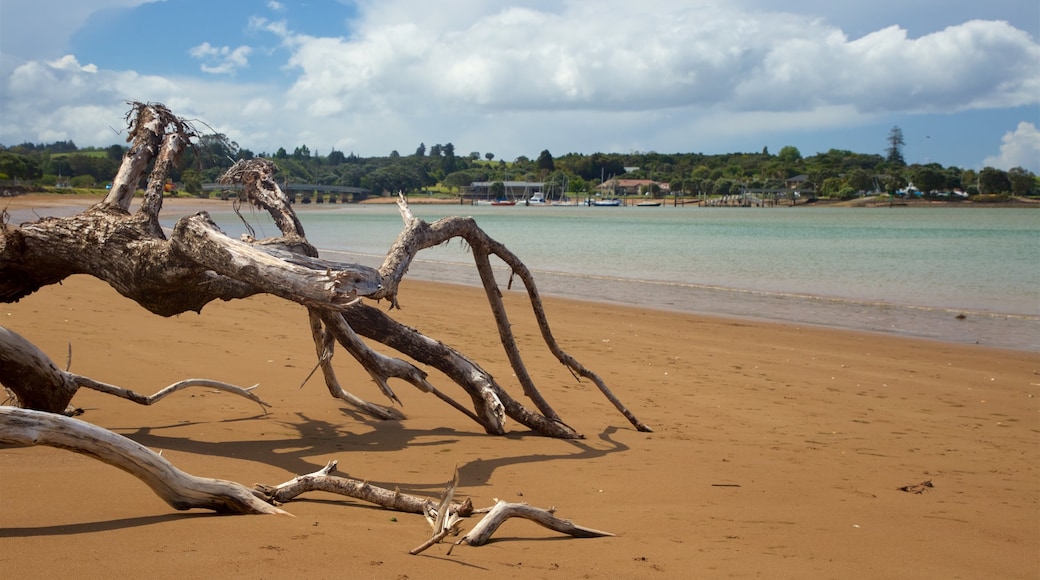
(102, 526)
(319, 438)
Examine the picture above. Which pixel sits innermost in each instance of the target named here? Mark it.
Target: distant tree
(723, 187)
(831, 186)
(458, 179)
(993, 180)
(894, 182)
(82, 181)
(498, 190)
(1023, 182)
(19, 166)
(489, 156)
(859, 180)
(448, 162)
(970, 178)
(281, 154)
(789, 154)
(301, 153)
(115, 153)
(191, 180)
(474, 155)
(246, 154)
(420, 151)
(894, 152)
(394, 154)
(336, 158)
(765, 151)
(435, 151)
(929, 179)
(545, 161)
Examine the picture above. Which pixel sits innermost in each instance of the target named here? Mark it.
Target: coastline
(960, 325)
(778, 449)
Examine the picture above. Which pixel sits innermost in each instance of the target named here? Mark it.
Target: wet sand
(778, 449)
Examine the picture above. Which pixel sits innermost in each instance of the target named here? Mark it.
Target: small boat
(504, 202)
(649, 204)
(607, 202)
(537, 198)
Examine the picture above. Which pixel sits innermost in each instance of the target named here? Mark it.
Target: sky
(960, 78)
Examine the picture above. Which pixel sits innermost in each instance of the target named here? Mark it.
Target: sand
(778, 450)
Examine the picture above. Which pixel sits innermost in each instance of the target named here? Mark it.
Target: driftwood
(181, 490)
(502, 511)
(21, 363)
(445, 517)
(323, 480)
(198, 264)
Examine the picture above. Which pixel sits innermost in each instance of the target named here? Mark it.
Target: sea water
(967, 275)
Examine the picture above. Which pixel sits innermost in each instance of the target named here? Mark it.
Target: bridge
(306, 190)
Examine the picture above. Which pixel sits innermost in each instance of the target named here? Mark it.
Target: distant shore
(52, 199)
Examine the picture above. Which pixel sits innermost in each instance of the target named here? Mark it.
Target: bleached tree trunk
(177, 488)
(199, 264)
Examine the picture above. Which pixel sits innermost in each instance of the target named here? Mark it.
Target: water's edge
(996, 330)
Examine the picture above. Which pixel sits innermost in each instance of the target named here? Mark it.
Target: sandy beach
(778, 450)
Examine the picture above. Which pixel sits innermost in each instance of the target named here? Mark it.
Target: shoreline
(945, 325)
(79, 199)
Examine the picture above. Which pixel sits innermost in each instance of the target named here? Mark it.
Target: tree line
(834, 173)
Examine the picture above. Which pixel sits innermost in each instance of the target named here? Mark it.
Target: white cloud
(576, 76)
(226, 60)
(1019, 148)
(665, 55)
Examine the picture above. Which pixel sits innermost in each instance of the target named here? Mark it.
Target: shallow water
(969, 275)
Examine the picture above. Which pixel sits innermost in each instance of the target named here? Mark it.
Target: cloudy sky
(961, 78)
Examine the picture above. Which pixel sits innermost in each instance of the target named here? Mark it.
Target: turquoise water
(906, 271)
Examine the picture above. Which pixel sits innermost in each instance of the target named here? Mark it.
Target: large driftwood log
(23, 365)
(199, 264)
(177, 488)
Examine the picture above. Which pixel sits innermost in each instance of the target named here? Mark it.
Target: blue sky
(961, 78)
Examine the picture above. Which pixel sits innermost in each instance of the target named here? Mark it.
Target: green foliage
(19, 166)
(789, 155)
(833, 173)
(894, 153)
(929, 178)
(191, 180)
(82, 181)
(545, 161)
(847, 193)
(831, 186)
(1023, 182)
(993, 181)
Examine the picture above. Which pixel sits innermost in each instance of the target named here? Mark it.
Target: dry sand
(778, 450)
